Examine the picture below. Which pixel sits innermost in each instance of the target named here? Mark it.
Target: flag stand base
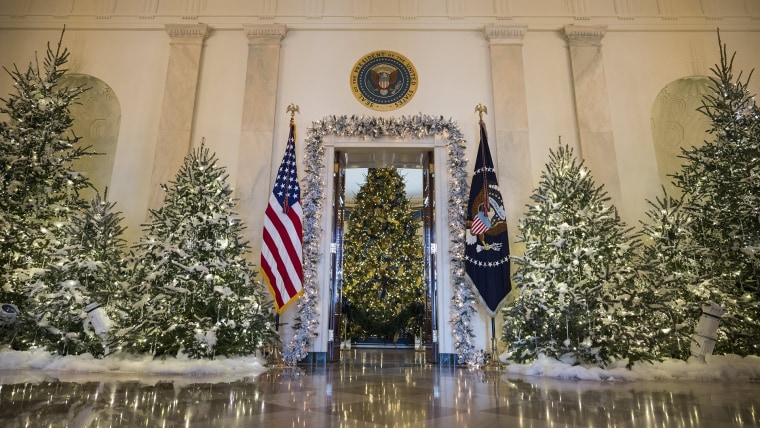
(274, 360)
(493, 364)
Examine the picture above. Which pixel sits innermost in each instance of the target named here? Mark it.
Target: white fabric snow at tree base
(18, 366)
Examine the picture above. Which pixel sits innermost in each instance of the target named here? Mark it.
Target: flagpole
(275, 360)
(493, 364)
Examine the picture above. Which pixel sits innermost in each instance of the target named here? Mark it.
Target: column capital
(585, 35)
(505, 34)
(265, 34)
(187, 32)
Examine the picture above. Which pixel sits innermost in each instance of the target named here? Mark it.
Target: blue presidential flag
(487, 241)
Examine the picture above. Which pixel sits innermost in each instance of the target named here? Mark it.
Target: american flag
(283, 232)
(480, 224)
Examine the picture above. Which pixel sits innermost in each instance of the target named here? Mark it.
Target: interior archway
(97, 118)
(314, 333)
(676, 122)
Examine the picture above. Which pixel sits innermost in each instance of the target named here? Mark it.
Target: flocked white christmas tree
(76, 302)
(721, 184)
(194, 291)
(574, 273)
(39, 189)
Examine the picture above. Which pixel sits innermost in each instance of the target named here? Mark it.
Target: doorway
(314, 322)
(415, 166)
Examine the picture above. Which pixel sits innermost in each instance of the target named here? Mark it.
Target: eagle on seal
(384, 76)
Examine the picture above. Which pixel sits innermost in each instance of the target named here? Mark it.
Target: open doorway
(315, 323)
(383, 267)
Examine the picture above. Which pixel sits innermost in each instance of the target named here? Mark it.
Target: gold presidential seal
(383, 80)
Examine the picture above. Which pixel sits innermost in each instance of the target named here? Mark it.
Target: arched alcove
(97, 117)
(677, 124)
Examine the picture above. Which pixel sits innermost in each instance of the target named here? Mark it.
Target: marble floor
(375, 388)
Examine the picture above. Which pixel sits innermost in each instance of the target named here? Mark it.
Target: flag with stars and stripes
(487, 241)
(283, 232)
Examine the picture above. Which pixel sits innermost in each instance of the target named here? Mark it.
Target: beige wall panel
(133, 64)
(549, 88)
(220, 96)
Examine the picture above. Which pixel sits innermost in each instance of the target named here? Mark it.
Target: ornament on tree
(98, 317)
(8, 314)
(703, 341)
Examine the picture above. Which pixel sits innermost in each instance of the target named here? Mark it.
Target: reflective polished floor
(373, 388)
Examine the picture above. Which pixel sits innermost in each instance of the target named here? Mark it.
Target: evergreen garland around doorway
(367, 128)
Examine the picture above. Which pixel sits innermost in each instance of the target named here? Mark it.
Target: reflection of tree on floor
(382, 262)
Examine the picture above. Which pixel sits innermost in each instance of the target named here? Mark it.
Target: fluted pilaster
(592, 106)
(255, 153)
(510, 141)
(178, 108)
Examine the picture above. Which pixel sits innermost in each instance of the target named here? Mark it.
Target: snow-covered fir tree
(721, 181)
(39, 188)
(575, 273)
(674, 278)
(382, 261)
(76, 302)
(194, 292)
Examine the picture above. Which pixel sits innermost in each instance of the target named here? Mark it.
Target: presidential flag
(283, 232)
(487, 242)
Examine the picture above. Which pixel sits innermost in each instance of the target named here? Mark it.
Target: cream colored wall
(648, 44)
(220, 97)
(639, 66)
(454, 77)
(133, 63)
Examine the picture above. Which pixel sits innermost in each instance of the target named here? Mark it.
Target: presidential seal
(383, 80)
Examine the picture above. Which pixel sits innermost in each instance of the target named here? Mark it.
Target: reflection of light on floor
(385, 388)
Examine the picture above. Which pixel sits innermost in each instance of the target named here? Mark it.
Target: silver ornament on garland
(419, 126)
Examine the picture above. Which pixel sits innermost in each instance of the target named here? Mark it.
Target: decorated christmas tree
(39, 189)
(575, 273)
(674, 279)
(382, 262)
(194, 292)
(76, 302)
(722, 192)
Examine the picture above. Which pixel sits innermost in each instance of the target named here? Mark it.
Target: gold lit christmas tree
(382, 264)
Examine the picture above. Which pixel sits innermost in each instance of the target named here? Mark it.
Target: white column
(592, 106)
(176, 123)
(510, 141)
(257, 127)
